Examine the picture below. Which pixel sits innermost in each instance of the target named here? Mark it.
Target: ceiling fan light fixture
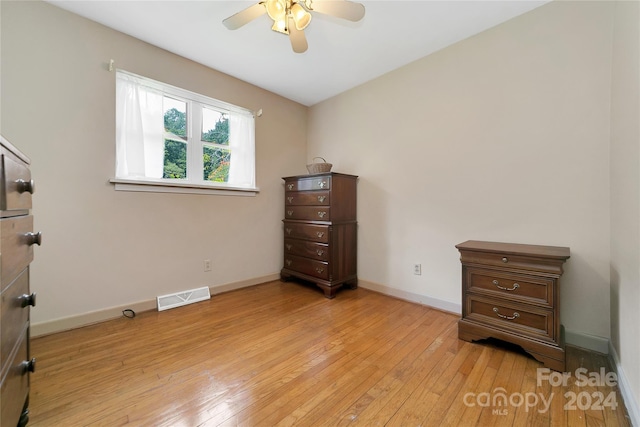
(276, 9)
(280, 26)
(301, 17)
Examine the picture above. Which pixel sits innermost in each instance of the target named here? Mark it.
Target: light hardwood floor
(280, 354)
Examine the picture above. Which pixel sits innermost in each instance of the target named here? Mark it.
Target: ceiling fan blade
(344, 9)
(244, 16)
(297, 38)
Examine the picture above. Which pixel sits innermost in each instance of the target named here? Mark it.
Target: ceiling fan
(293, 16)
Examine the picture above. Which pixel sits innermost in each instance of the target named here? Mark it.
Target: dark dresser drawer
(307, 266)
(308, 198)
(517, 287)
(311, 213)
(316, 233)
(319, 251)
(309, 183)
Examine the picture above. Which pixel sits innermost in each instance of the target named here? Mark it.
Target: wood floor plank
(282, 354)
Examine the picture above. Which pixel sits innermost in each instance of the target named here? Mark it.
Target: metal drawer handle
(320, 252)
(288, 246)
(515, 286)
(321, 214)
(289, 213)
(319, 270)
(34, 238)
(26, 186)
(321, 198)
(290, 186)
(288, 230)
(322, 184)
(290, 200)
(505, 259)
(320, 234)
(28, 300)
(288, 262)
(28, 366)
(502, 316)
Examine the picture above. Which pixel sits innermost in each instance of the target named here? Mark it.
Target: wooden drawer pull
(502, 316)
(515, 286)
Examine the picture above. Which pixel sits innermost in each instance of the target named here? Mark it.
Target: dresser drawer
(513, 261)
(15, 246)
(310, 183)
(319, 251)
(307, 198)
(511, 317)
(311, 213)
(516, 287)
(307, 266)
(13, 317)
(16, 186)
(314, 232)
(15, 386)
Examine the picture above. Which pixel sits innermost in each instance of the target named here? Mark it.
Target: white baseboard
(590, 342)
(443, 305)
(630, 401)
(85, 319)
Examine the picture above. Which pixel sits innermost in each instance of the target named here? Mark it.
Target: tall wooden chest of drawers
(16, 252)
(512, 292)
(320, 230)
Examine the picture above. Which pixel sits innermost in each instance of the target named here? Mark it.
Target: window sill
(181, 187)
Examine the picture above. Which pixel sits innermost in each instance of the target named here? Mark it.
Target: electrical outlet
(417, 269)
(207, 265)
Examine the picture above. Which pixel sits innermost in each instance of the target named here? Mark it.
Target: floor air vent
(165, 302)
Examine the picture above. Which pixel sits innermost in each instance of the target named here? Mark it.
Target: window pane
(215, 127)
(216, 164)
(175, 119)
(175, 159)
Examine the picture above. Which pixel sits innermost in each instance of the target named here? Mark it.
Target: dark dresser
(320, 230)
(16, 252)
(512, 292)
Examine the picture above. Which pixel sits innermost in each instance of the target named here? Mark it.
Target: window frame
(194, 182)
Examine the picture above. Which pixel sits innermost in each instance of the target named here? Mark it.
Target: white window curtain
(242, 146)
(139, 130)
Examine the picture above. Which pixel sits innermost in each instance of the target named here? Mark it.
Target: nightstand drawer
(316, 233)
(16, 246)
(307, 198)
(319, 251)
(311, 213)
(16, 185)
(516, 287)
(14, 316)
(511, 317)
(307, 266)
(15, 387)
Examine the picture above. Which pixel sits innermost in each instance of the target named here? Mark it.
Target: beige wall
(625, 195)
(104, 248)
(501, 137)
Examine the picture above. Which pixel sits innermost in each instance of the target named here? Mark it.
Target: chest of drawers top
(328, 197)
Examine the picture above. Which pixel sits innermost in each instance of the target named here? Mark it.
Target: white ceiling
(341, 54)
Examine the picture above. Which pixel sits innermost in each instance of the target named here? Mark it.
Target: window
(167, 136)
